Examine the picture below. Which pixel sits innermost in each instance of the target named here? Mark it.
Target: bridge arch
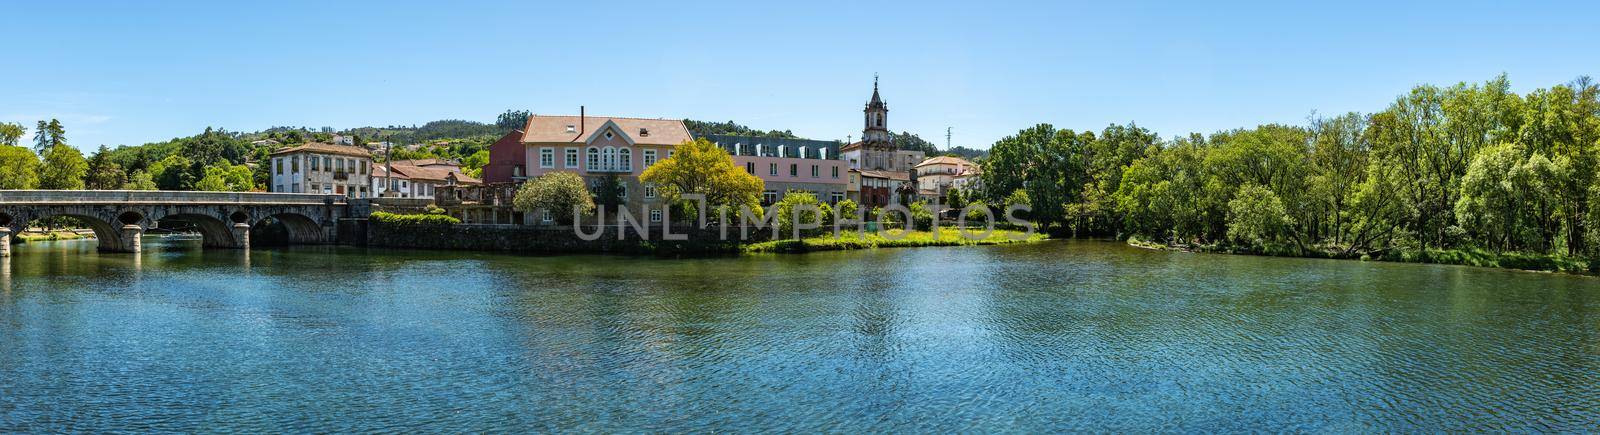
(107, 232)
(214, 232)
(295, 228)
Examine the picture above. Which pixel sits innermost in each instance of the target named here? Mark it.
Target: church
(879, 169)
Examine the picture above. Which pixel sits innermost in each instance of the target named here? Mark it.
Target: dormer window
(644, 132)
(572, 128)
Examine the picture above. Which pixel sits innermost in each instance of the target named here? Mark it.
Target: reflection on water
(1054, 336)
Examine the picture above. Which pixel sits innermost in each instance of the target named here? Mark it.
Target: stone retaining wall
(535, 239)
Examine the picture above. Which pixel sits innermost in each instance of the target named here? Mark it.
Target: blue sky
(134, 72)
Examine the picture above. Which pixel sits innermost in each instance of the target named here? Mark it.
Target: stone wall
(540, 239)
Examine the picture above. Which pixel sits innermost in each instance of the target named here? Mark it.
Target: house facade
(507, 160)
(938, 175)
(418, 178)
(322, 168)
(789, 165)
(598, 147)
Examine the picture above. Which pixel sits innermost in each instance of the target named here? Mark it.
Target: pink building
(599, 146)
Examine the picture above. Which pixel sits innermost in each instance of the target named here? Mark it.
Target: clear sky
(134, 72)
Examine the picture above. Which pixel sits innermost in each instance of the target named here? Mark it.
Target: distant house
(322, 168)
(938, 175)
(881, 188)
(418, 178)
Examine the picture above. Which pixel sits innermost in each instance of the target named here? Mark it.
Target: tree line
(1469, 166)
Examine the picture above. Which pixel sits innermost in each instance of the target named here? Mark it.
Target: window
(622, 189)
(327, 163)
(649, 158)
(772, 168)
(340, 165)
(593, 164)
(814, 171)
(608, 159)
(835, 172)
(363, 167)
(609, 135)
(278, 163)
(769, 197)
(572, 158)
(669, 154)
(295, 188)
(649, 190)
(544, 215)
(750, 167)
(794, 170)
(547, 157)
(835, 197)
(625, 159)
(294, 165)
(315, 166)
(655, 215)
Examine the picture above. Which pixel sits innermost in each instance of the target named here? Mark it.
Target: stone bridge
(224, 219)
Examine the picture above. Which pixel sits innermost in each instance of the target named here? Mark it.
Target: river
(1064, 335)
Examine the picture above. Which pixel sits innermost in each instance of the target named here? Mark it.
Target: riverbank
(49, 236)
(853, 240)
(1453, 257)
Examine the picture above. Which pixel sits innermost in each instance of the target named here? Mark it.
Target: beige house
(322, 168)
(418, 178)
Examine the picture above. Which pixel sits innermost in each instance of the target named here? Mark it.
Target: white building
(418, 178)
(322, 168)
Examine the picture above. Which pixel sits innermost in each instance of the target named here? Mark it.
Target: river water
(1049, 336)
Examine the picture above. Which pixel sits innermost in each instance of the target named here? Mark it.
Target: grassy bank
(46, 237)
(1458, 257)
(856, 240)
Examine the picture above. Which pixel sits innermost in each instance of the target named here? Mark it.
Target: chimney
(581, 121)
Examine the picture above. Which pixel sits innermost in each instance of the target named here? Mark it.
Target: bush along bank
(1459, 257)
(857, 240)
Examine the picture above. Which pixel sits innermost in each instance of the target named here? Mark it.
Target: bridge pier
(5, 242)
(241, 235)
(129, 242)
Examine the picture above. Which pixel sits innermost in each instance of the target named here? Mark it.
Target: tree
(139, 180)
(224, 177)
(11, 132)
(473, 164)
(563, 194)
(1256, 217)
(41, 137)
(64, 169)
(701, 167)
(609, 193)
(1045, 162)
(19, 168)
(172, 173)
(512, 120)
(793, 200)
(105, 174)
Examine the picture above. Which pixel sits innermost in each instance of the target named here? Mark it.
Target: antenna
(947, 139)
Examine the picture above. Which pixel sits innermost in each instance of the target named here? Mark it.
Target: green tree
(224, 177)
(792, 201)
(609, 193)
(104, 174)
(701, 167)
(139, 180)
(19, 168)
(473, 164)
(64, 169)
(11, 132)
(512, 120)
(563, 194)
(1257, 218)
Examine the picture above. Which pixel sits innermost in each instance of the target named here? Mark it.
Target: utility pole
(388, 165)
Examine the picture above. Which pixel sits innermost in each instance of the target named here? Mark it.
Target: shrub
(562, 193)
(412, 220)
